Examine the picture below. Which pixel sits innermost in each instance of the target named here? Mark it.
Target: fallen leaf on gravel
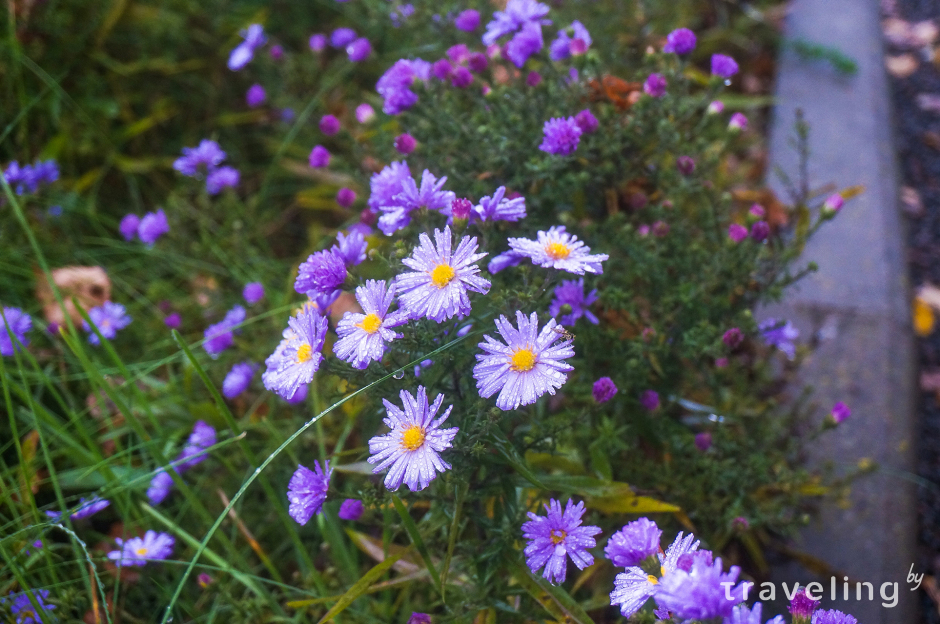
(929, 102)
(911, 202)
(930, 380)
(924, 319)
(901, 66)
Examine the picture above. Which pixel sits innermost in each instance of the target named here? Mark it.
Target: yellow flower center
(304, 353)
(370, 323)
(652, 579)
(442, 275)
(413, 438)
(522, 361)
(141, 551)
(557, 251)
(558, 536)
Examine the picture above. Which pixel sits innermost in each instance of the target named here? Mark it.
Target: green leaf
(631, 504)
(416, 539)
(586, 486)
(359, 588)
(553, 598)
(508, 452)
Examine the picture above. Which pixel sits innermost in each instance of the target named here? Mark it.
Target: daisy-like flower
(223, 177)
(307, 491)
(517, 14)
(109, 317)
(413, 446)
(557, 535)
(498, 208)
(362, 337)
(13, 321)
(23, 610)
(429, 196)
(84, 509)
(437, 288)
(322, 273)
(204, 157)
(633, 543)
(137, 551)
(701, 592)
(633, 587)
(557, 249)
(528, 365)
(741, 614)
(351, 248)
(301, 356)
(571, 293)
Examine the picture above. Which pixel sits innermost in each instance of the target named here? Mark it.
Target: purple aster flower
(461, 78)
(84, 509)
(703, 441)
(152, 227)
(255, 96)
(253, 292)
(833, 617)
(442, 69)
(419, 618)
(732, 338)
(632, 588)
(561, 47)
(365, 113)
(603, 390)
(723, 66)
(238, 379)
(109, 317)
(351, 509)
(528, 365)
(329, 125)
(317, 42)
(160, 486)
(534, 79)
(633, 543)
(685, 165)
(359, 50)
(322, 273)
(737, 123)
(655, 85)
(346, 197)
(351, 248)
(223, 177)
(467, 20)
(504, 261)
(204, 157)
(742, 615)
(362, 336)
(319, 157)
(458, 54)
(802, 607)
(680, 41)
(699, 593)
(586, 121)
(137, 551)
(840, 412)
(737, 232)
(571, 293)
(219, 337)
(301, 356)
(525, 43)
(129, 225)
(650, 400)
(555, 535)
(561, 136)
(780, 334)
(201, 438)
(429, 196)
(386, 185)
(243, 53)
(760, 230)
(498, 208)
(478, 62)
(394, 85)
(440, 279)
(405, 143)
(556, 249)
(14, 321)
(342, 37)
(307, 491)
(518, 13)
(21, 607)
(411, 450)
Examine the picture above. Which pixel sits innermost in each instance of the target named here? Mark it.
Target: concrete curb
(860, 295)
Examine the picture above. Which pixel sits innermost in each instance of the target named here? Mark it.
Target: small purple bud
(655, 85)
(468, 20)
(318, 42)
(351, 509)
(128, 226)
(346, 197)
(737, 232)
(253, 292)
(204, 580)
(276, 52)
(365, 113)
(461, 77)
(802, 607)
(833, 203)
(733, 338)
(738, 122)
(757, 211)
(604, 390)
(319, 157)
(586, 121)
(680, 41)
(715, 107)
(173, 321)
(534, 79)
(840, 412)
(685, 165)
(405, 143)
(359, 50)
(723, 66)
(760, 231)
(255, 96)
(650, 400)
(329, 125)
(740, 524)
(660, 229)
(477, 62)
(442, 69)
(703, 441)
(460, 208)
(577, 46)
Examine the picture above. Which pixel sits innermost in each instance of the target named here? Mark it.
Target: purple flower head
(277, 52)
(363, 336)
(780, 334)
(525, 43)
(253, 292)
(14, 321)
(504, 261)
(738, 122)
(526, 365)
(243, 53)
(160, 486)
(634, 587)
(462, 209)
(204, 580)
(699, 593)
(299, 396)
(346, 197)
(84, 509)
(680, 41)
(351, 248)
(732, 338)
(703, 441)
(442, 69)
(757, 211)
(604, 390)
(300, 357)
(566, 44)
(737, 232)
(255, 96)
(686, 561)
(723, 66)
(238, 379)
(561, 136)
(715, 107)
(21, 607)
(650, 400)
(317, 42)
(419, 618)
(429, 196)
(153, 226)
(478, 62)
(405, 143)
(202, 437)
(461, 77)
(498, 208)
(173, 321)
(342, 37)
(802, 606)
(685, 165)
(351, 509)
(833, 617)
(633, 543)
(558, 535)
(742, 615)
(518, 14)
(411, 450)
(458, 54)
(137, 551)
(128, 226)
(833, 203)
(223, 177)
(319, 157)
(359, 50)
(204, 157)
(386, 185)
(534, 79)
(322, 273)
(307, 491)
(655, 85)
(437, 287)
(556, 249)
(467, 20)
(365, 113)
(108, 318)
(571, 293)
(586, 121)
(220, 336)
(840, 412)
(395, 84)
(329, 125)
(760, 231)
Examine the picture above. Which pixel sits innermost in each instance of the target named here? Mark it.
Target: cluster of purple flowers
(204, 160)
(22, 606)
(561, 136)
(395, 84)
(149, 228)
(14, 325)
(202, 437)
(523, 19)
(108, 319)
(28, 178)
